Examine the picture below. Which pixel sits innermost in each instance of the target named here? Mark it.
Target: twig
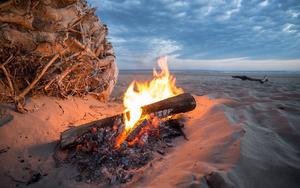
(28, 88)
(8, 80)
(7, 75)
(79, 20)
(82, 32)
(76, 22)
(60, 107)
(106, 61)
(60, 77)
(8, 60)
(74, 31)
(66, 72)
(101, 62)
(85, 48)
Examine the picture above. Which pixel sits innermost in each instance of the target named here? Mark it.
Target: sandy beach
(241, 134)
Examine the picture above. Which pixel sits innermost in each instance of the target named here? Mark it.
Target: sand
(242, 134)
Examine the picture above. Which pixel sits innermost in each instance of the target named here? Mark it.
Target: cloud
(264, 3)
(218, 10)
(117, 40)
(229, 64)
(234, 64)
(293, 13)
(146, 50)
(180, 15)
(257, 28)
(289, 28)
(118, 29)
(141, 30)
(163, 47)
(175, 4)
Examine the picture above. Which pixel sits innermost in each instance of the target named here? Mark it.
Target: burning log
(178, 104)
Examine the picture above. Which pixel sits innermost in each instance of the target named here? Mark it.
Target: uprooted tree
(55, 48)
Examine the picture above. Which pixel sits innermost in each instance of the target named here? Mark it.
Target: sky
(204, 34)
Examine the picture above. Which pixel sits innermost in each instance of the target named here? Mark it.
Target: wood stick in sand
(178, 104)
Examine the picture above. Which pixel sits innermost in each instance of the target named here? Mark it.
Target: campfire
(113, 149)
(140, 94)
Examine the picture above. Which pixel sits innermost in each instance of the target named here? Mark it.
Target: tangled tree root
(53, 47)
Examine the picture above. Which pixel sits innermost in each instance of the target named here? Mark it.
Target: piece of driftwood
(56, 48)
(265, 79)
(178, 104)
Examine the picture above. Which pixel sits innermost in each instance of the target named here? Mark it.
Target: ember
(99, 161)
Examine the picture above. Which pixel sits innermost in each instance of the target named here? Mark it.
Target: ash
(99, 161)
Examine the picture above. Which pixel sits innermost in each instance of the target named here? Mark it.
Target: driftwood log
(179, 104)
(265, 79)
(55, 48)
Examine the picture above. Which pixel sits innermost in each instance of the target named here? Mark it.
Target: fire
(139, 94)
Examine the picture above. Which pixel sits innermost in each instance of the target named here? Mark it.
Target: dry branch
(12, 91)
(85, 48)
(22, 95)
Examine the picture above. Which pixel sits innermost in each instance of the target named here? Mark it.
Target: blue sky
(204, 34)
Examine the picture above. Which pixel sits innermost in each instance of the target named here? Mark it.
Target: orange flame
(139, 94)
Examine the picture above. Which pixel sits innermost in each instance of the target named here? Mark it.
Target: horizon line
(213, 70)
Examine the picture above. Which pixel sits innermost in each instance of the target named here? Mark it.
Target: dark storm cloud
(141, 30)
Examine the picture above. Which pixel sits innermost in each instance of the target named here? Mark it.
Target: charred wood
(99, 161)
(179, 104)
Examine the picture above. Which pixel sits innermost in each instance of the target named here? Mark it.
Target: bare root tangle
(55, 48)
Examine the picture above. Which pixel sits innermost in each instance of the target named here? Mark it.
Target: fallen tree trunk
(174, 105)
